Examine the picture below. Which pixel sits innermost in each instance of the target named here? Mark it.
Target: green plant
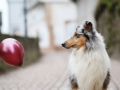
(108, 22)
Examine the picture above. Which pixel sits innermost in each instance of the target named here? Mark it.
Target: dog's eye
(82, 30)
(77, 35)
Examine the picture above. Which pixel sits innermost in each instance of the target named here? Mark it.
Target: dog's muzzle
(65, 46)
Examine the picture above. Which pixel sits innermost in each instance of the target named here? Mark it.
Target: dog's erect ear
(88, 25)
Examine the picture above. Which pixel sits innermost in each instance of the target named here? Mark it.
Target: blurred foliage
(108, 23)
(74, 1)
(31, 48)
(113, 6)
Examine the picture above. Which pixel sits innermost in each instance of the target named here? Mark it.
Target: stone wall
(31, 48)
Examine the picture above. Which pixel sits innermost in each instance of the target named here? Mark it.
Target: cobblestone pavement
(49, 73)
(115, 72)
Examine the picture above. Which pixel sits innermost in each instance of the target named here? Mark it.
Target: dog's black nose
(63, 44)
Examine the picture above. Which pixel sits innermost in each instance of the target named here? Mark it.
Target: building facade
(16, 17)
(52, 22)
(4, 22)
(86, 10)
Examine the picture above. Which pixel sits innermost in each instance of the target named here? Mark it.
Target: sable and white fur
(89, 65)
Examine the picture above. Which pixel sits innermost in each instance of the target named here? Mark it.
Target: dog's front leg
(106, 81)
(73, 82)
(74, 86)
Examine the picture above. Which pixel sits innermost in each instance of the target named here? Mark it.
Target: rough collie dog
(89, 63)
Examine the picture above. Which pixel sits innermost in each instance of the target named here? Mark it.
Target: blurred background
(41, 26)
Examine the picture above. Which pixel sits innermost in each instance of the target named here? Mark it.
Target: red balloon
(12, 52)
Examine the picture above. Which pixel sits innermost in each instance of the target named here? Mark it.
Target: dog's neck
(97, 46)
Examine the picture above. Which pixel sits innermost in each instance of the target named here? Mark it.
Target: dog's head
(82, 37)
